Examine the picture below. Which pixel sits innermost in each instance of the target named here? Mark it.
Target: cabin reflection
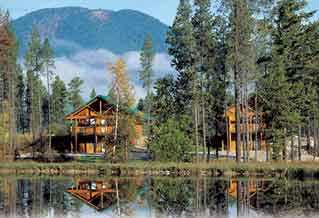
(158, 197)
(97, 194)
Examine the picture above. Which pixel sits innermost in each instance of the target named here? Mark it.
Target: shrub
(171, 141)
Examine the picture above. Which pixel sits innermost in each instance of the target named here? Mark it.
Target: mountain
(72, 29)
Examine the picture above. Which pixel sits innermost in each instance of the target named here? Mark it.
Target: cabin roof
(231, 109)
(131, 110)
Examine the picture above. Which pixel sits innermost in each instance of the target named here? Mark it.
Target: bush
(171, 141)
(58, 129)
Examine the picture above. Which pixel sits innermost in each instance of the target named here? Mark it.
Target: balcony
(91, 130)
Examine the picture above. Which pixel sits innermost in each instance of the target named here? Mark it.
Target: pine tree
(164, 99)
(241, 64)
(59, 99)
(147, 76)
(205, 59)
(20, 101)
(217, 84)
(8, 76)
(279, 110)
(181, 45)
(294, 38)
(74, 90)
(34, 66)
(140, 105)
(48, 64)
(93, 93)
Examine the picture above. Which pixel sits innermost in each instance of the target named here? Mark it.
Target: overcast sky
(164, 10)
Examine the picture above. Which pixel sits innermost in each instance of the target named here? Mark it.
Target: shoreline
(143, 168)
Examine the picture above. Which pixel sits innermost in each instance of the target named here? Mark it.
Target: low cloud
(91, 66)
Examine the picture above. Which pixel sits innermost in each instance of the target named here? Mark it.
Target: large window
(92, 122)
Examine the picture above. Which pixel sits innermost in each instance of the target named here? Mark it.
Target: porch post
(72, 134)
(95, 136)
(76, 136)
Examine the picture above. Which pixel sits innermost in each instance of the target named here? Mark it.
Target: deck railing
(91, 130)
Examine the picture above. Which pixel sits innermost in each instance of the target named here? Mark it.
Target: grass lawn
(223, 165)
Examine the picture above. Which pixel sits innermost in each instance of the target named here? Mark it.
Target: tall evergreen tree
(74, 90)
(59, 100)
(93, 93)
(279, 112)
(8, 78)
(20, 101)
(147, 76)
(241, 63)
(48, 64)
(34, 66)
(164, 99)
(217, 85)
(205, 43)
(181, 45)
(294, 39)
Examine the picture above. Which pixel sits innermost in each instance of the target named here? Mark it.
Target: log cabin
(231, 130)
(92, 125)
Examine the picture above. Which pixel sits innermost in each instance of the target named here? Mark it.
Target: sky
(164, 10)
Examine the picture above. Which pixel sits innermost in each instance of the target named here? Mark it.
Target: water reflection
(97, 194)
(158, 197)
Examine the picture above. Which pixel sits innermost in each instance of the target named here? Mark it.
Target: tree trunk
(149, 107)
(40, 114)
(237, 117)
(116, 121)
(237, 83)
(299, 142)
(12, 114)
(246, 123)
(216, 142)
(195, 111)
(243, 127)
(292, 147)
(208, 153)
(308, 134)
(196, 132)
(49, 113)
(284, 150)
(31, 121)
(117, 198)
(256, 126)
(315, 137)
(204, 127)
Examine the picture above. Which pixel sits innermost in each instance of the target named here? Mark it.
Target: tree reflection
(162, 197)
(172, 197)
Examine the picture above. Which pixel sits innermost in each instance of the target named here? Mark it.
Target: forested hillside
(72, 29)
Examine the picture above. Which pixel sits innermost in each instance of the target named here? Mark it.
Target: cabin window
(86, 122)
(92, 122)
(103, 122)
(93, 185)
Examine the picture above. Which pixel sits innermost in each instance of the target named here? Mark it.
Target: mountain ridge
(71, 29)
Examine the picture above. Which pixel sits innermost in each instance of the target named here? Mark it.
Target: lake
(157, 197)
